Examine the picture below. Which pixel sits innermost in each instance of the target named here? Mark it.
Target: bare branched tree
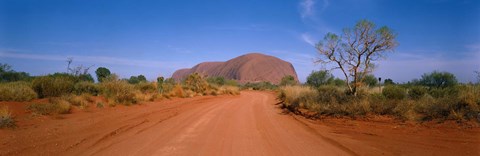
(355, 51)
(78, 70)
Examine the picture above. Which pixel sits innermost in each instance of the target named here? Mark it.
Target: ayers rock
(252, 67)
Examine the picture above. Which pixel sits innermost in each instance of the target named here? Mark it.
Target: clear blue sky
(155, 38)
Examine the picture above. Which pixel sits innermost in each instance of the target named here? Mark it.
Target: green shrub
(319, 78)
(380, 104)
(53, 86)
(260, 86)
(444, 92)
(55, 106)
(416, 92)
(394, 92)
(119, 91)
(86, 87)
(331, 94)
(288, 80)
(6, 118)
(16, 91)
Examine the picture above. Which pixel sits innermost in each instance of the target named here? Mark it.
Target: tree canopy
(355, 51)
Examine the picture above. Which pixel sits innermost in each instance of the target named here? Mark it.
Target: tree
(355, 51)
(438, 80)
(288, 81)
(133, 80)
(142, 78)
(102, 73)
(339, 82)
(370, 80)
(318, 78)
(389, 82)
(9, 75)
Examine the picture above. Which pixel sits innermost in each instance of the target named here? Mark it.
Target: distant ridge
(252, 67)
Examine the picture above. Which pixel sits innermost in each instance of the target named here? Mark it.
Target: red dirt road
(248, 124)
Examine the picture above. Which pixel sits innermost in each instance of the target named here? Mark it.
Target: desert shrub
(259, 86)
(7, 74)
(388, 82)
(53, 86)
(295, 97)
(100, 105)
(370, 80)
(16, 91)
(86, 87)
(288, 81)
(79, 101)
(196, 83)
(230, 90)
(380, 104)
(319, 78)
(394, 92)
(331, 94)
(146, 87)
(444, 92)
(168, 85)
(405, 110)
(137, 79)
(438, 80)
(177, 91)
(6, 118)
(119, 91)
(102, 73)
(416, 92)
(216, 80)
(55, 106)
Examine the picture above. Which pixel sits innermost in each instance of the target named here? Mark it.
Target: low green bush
(259, 86)
(16, 91)
(417, 92)
(53, 86)
(86, 87)
(394, 92)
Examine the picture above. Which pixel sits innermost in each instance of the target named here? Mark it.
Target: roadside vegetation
(434, 96)
(77, 89)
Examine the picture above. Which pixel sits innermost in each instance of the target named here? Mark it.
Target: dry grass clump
(413, 103)
(229, 90)
(118, 91)
(295, 97)
(6, 118)
(16, 91)
(55, 106)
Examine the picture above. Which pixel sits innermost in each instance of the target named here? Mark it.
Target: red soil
(248, 124)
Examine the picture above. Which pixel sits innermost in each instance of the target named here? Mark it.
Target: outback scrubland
(59, 93)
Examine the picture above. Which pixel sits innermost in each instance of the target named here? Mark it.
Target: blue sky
(155, 38)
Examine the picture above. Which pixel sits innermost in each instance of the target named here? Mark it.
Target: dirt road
(248, 124)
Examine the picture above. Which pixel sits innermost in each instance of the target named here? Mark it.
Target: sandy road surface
(248, 124)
